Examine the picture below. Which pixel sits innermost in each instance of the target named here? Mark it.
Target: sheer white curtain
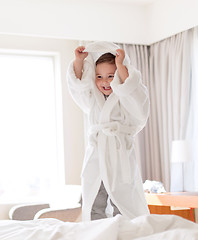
(170, 84)
(165, 68)
(191, 167)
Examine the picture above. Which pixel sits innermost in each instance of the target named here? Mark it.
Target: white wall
(73, 19)
(117, 21)
(169, 17)
(72, 116)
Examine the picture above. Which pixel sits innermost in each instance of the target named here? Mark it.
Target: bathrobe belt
(108, 133)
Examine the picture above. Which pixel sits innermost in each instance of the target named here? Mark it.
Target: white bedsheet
(152, 227)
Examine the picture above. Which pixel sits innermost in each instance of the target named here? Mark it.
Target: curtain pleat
(165, 68)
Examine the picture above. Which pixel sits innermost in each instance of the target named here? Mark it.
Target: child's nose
(107, 80)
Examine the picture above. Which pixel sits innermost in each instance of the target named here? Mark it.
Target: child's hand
(80, 55)
(120, 55)
(78, 62)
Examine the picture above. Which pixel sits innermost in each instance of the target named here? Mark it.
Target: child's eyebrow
(107, 73)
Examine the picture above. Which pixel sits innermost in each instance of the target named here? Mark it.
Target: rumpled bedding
(150, 227)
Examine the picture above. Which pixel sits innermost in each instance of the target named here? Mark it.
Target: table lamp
(180, 153)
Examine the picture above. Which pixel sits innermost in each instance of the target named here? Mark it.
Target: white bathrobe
(113, 124)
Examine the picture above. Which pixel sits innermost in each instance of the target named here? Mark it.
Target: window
(28, 126)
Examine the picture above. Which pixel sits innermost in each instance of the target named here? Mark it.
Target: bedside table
(162, 203)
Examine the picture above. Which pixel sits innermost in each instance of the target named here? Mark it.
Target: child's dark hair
(106, 58)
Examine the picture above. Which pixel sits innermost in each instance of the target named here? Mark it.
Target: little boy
(117, 104)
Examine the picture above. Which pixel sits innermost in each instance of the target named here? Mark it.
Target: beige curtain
(165, 68)
(170, 79)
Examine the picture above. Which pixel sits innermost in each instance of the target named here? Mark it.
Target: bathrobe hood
(97, 49)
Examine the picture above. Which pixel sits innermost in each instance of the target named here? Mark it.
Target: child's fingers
(120, 52)
(117, 53)
(79, 52)
(120, 55)
(80, 49)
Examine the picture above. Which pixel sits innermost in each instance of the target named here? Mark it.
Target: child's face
(104, 75)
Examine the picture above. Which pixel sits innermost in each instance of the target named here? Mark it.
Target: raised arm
(122, 70)
(132, 93)
(79, 79)
(78, 62)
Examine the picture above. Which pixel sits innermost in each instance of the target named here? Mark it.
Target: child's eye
(99, 77)
(111, 76)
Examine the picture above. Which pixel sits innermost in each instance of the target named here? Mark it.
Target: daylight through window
(28, 149)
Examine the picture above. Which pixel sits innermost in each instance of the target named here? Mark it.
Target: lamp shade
(181, 151)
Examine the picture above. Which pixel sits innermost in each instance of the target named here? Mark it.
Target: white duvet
(151, 227)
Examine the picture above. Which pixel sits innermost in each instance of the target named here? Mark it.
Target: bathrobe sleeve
(81, 90)
(133, 96)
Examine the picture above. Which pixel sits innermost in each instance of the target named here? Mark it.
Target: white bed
(152, 227)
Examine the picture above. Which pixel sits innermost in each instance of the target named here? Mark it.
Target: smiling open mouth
(107, 88)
